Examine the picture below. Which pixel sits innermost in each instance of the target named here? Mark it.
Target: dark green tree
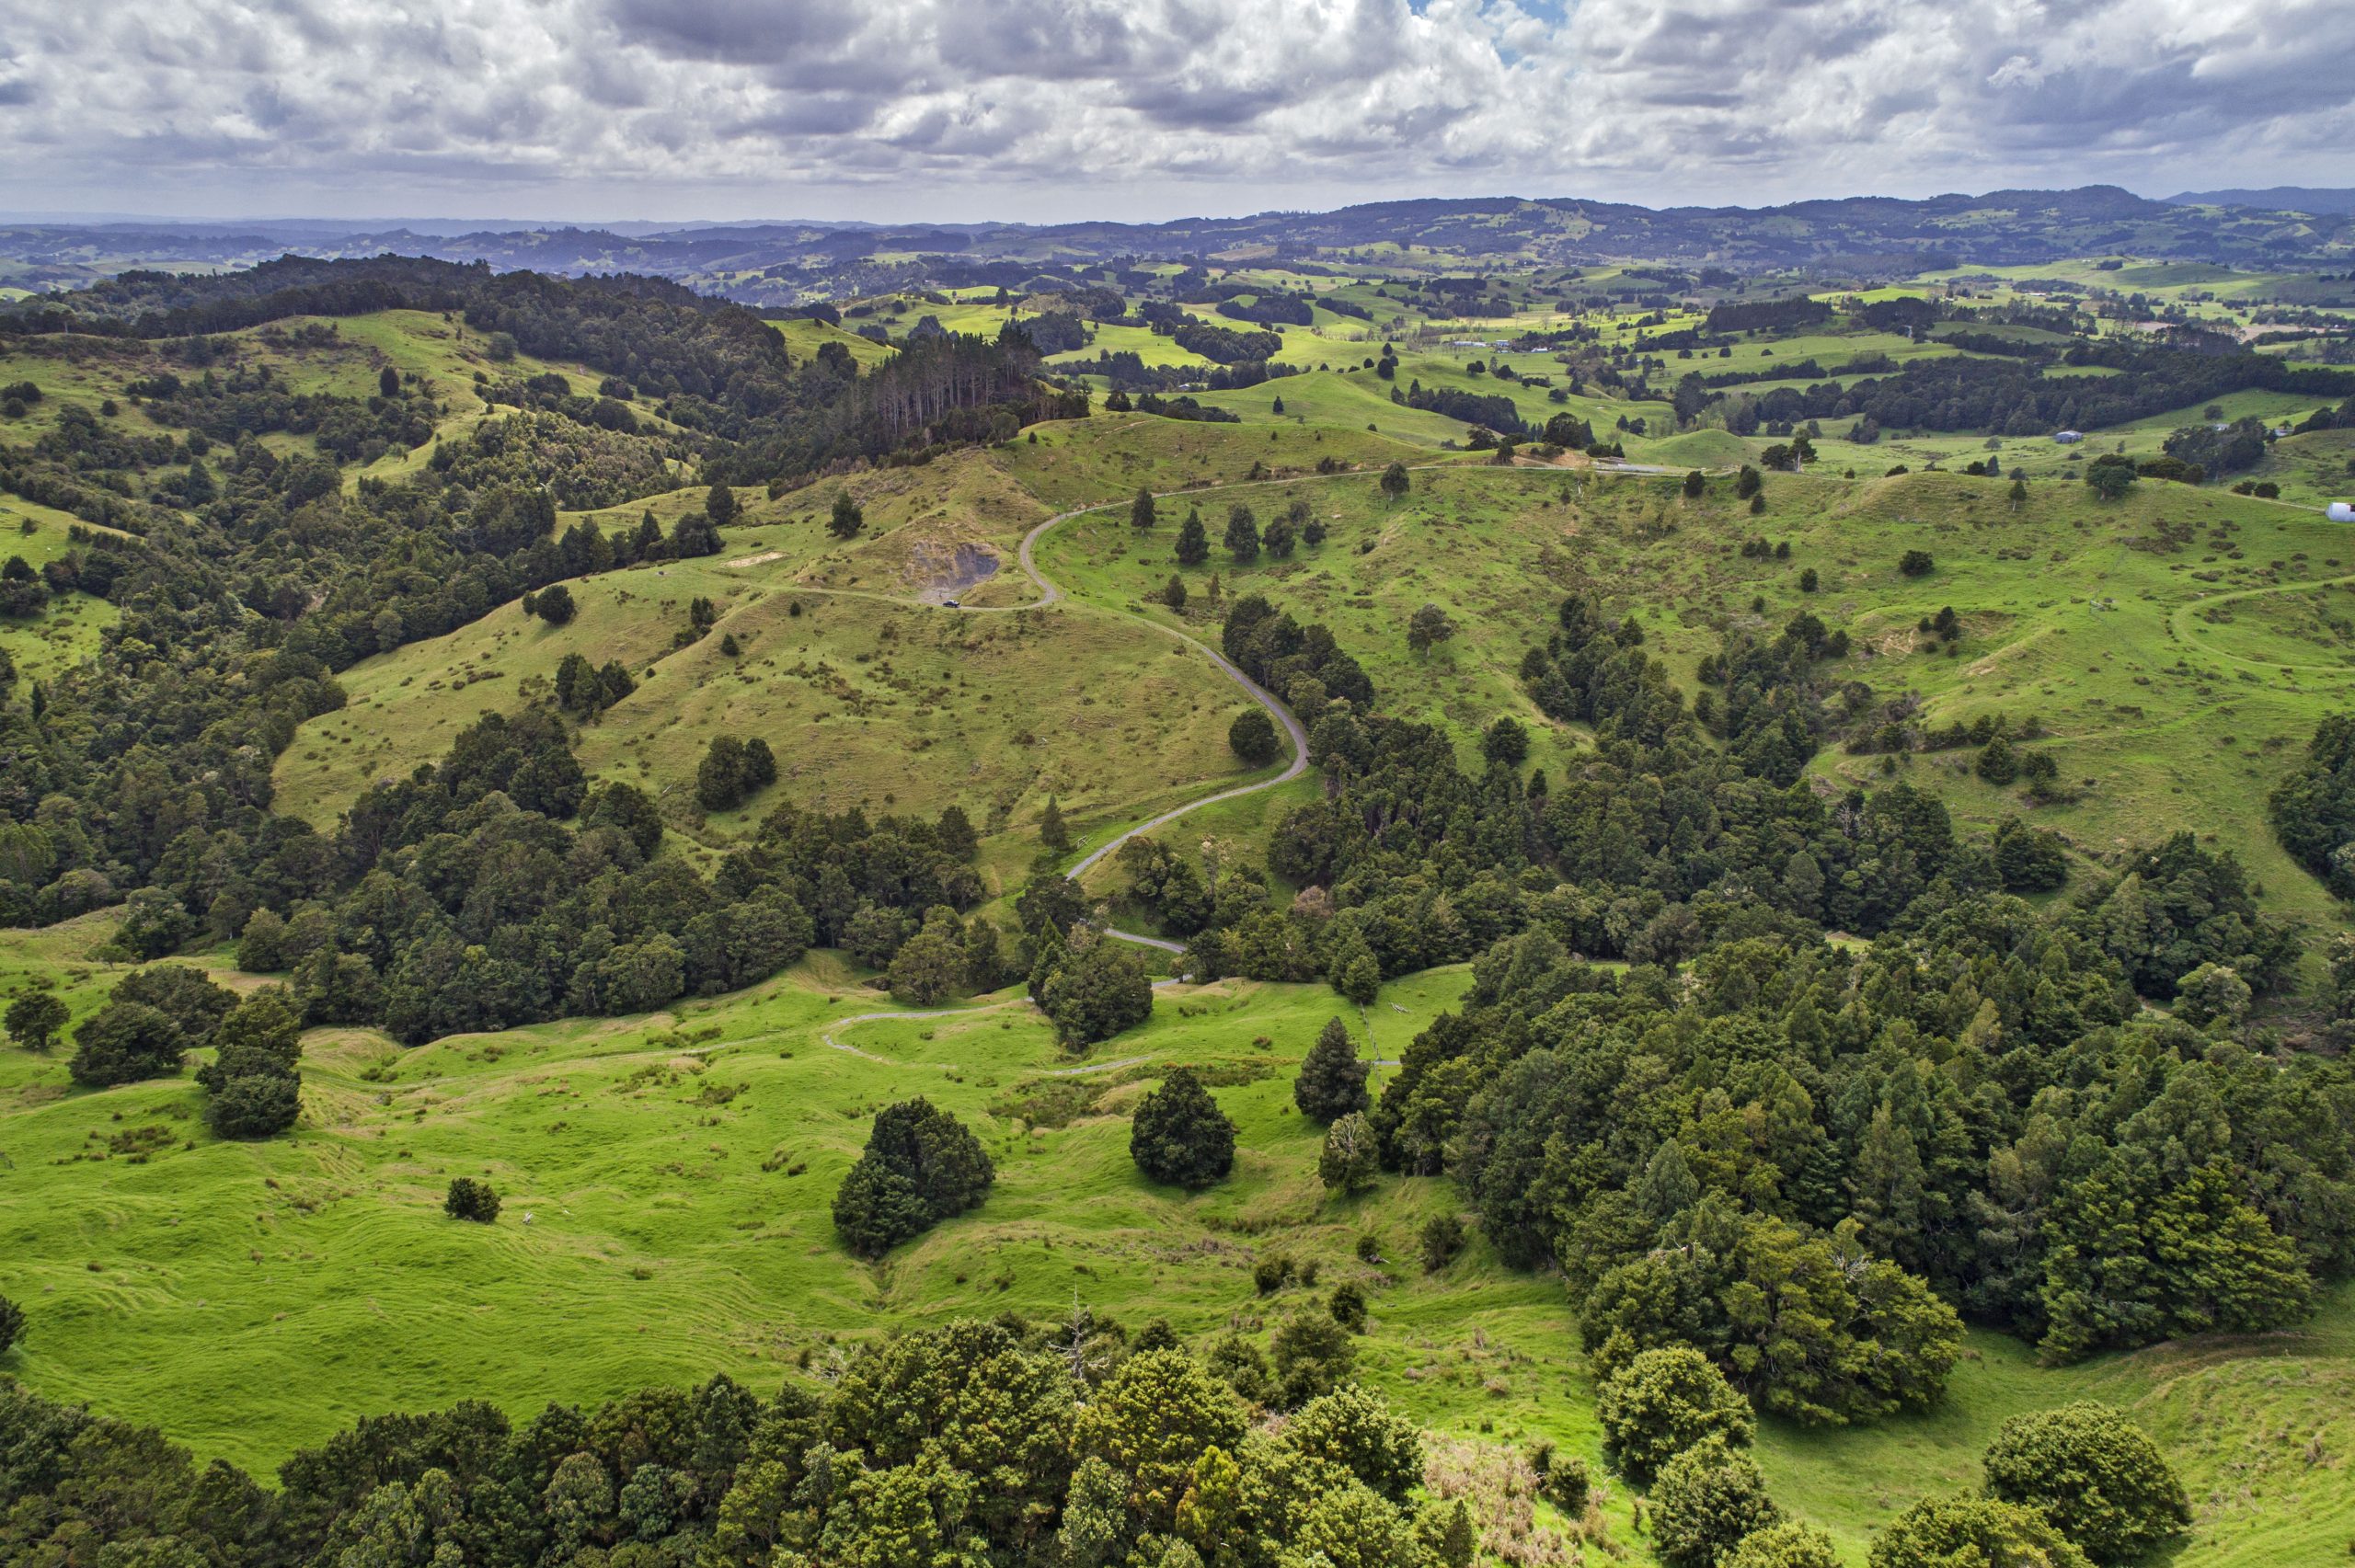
(1252, 736)
(1505, 741)
(125, 1041)
(921, 1166)
(470, 1199)
(1141, 513)
(1312, 1355)
(1179, 1136)
(1332, 1077)
(1242, 533)
(1053, 831)
(34, 1020)
(1194, 540)
(183, 993)
(846, 518)
(553, 604)
(1427, 629)
(1393, 481)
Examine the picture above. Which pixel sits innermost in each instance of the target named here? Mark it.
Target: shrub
(471, 1199)
(1706, 1499)
(553, 604)
(1787, 1545)
(1916, 564)
(1347, 1307)
(254, 1105)
(1243, 1367)
(1662, 1402)
(1272, 1273)
(1939, 1532)
(1443, 1239)
(1566, 1483)
(1313, 1357)
(12, 1323)
(2094, 1474)
(1354, 1431)
(1179, 1136)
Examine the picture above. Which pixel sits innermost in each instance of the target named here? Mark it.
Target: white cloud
(1056, 110)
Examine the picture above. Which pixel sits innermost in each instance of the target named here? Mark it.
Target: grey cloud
(1152, 107)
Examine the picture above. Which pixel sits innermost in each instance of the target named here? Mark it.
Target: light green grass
(666, 1182)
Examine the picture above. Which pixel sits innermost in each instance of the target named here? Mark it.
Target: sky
(1054, 110)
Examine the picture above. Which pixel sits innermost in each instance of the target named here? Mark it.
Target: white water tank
(2340, 511)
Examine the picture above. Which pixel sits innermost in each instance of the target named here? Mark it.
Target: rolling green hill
(668, 1176)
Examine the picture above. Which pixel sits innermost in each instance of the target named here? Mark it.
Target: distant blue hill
(2276, 199)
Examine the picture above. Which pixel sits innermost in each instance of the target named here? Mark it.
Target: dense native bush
(1001, 1442)
(2313, 810)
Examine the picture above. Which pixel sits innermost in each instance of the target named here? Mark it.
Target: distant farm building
(2340, 511)
(2068, 438)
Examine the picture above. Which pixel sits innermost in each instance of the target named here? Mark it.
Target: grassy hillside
(2110, 625)
(667, 1180)
(864, 701)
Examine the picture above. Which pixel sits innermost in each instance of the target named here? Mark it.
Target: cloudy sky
(1048, 110)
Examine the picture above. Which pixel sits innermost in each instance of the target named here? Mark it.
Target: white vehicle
(2340, 511)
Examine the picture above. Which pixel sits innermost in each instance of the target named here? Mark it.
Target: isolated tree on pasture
(1427, 627)
(1252, 736)
(470, 1199)
(34, 1020)
(1242, 533)
(1193, 540)
(1332, 1077)
(921, 1166)
(1179, 1136)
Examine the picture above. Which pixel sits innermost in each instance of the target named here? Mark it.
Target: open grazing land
(1383, 901)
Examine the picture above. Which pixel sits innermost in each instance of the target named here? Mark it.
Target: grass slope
(667, 1182)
